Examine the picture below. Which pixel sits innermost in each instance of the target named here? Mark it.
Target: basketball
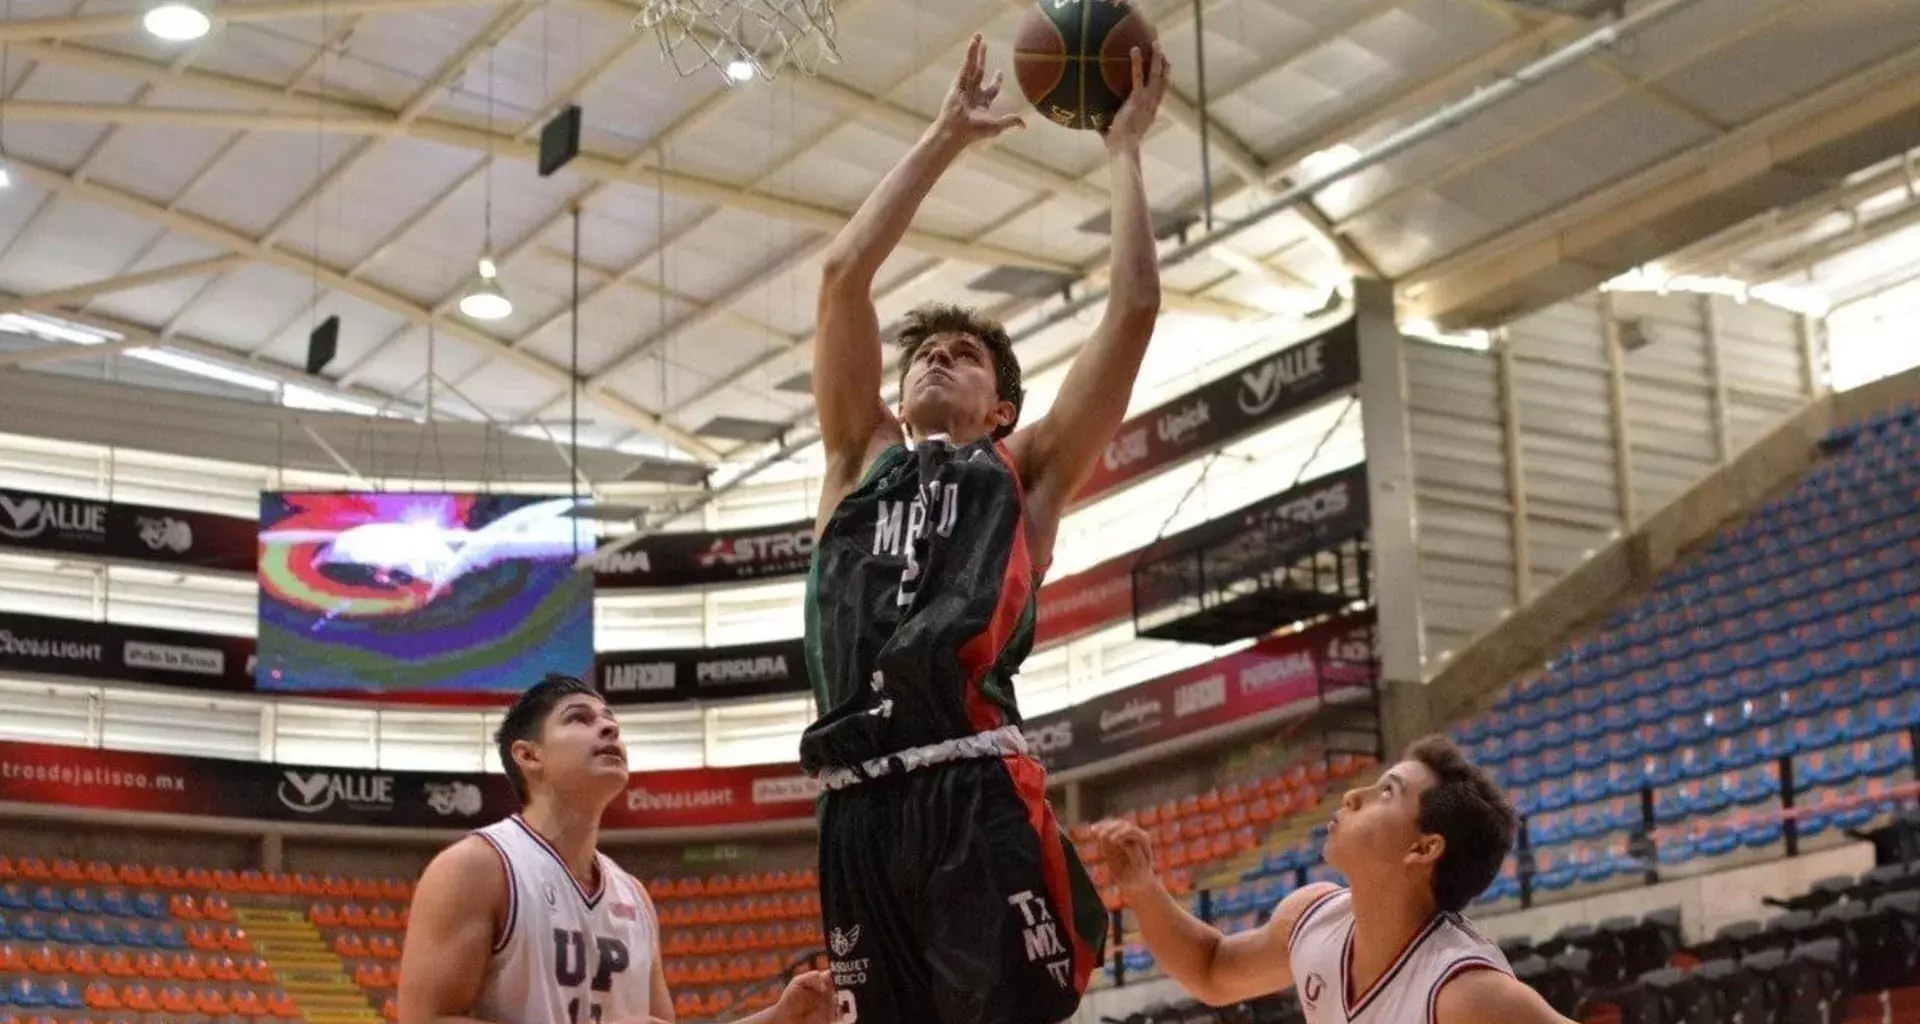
(1073, 58)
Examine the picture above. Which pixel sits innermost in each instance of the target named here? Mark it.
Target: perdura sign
(710, 673)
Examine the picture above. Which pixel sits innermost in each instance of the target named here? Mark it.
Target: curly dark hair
(1471, 813)
(942, 318)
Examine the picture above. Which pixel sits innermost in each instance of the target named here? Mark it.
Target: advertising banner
(710, 673)
(728, 556)
(37, 773)
(1259, 394)
(109, 651)
(1321, 510)
(1276, 673)
(1267, 391)
(54, 523)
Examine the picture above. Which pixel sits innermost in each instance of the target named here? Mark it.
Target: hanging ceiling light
(485, 300)
(6, 180)
(177, 22)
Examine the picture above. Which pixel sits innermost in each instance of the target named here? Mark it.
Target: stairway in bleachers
(306, 965)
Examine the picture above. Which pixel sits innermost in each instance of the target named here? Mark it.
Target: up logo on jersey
(1310, 990)
(611, 958)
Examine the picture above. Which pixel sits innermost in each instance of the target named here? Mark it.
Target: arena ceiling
(218, 199)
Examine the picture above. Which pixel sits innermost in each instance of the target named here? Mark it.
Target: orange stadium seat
(247, 1003)
(68, 870)
(349, 944)
(383, 918)
(306, 884)
(188, 967)
(223, 968)
(81, 961)
(151, 966)
(8, 871)
(364, 889)
(139, 999)
(233, 940)
(390, 1010)
(11, 962)
(166, 876)
(100, 872)
(174, 999)
(33, 869)
(226, 880)
(383, 947)
(256, 971)
(101, 996)
(210, 1002)
(323, 914)
(369, 975)
(197, 879)
(182, 907)
(397, 890)
(353, 915)
(217, 908)
(336, 887)
(281, 1005)
(45, 960)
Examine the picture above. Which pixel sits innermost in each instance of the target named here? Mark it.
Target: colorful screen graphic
(424, 593)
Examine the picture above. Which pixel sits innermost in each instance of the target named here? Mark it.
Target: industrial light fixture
(6, 179)
(177, 22)
(486, 300)
(739, 69)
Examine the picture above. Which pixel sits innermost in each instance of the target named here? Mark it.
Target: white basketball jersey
(567, 956)
(1321, 950)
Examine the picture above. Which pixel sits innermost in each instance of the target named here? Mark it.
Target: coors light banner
(110, 651)
(117, 780)
(1280, 672)
(712, 673)
(135, 533)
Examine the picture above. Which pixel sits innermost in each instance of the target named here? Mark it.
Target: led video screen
(389, 593)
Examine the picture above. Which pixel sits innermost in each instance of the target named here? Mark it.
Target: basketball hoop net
(742, 39)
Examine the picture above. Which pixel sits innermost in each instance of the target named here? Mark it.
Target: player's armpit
(458, 908)
(1491, 997)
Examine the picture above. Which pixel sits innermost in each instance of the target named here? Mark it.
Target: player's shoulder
(1303, 906)
(472, 867)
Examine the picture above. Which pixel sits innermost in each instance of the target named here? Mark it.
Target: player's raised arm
(458, 907)
(1059, 450)
(846, 359)
(1217, 969)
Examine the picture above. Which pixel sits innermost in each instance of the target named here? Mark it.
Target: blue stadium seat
(80, 901)
(100, 932)
(115, 902)
(47, 901)
(26, 995)
(149, 905)
(29, 928)
(66, 930)
(167, 936)
(132, 934)
(62, 995)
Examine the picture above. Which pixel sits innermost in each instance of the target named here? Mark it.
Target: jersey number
(570, 968)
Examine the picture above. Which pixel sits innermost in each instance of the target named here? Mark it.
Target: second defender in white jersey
(1417, 846)
(526, 921)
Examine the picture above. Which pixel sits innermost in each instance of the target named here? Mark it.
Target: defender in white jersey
(525, 921)
(1417, 846)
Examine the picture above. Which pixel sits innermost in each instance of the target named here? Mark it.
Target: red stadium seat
(139, 999)
(247, 1003)
(210, 1002)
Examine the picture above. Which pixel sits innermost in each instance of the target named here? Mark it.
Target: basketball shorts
(950, 895)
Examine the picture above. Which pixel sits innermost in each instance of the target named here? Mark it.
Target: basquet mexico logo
(843, 942)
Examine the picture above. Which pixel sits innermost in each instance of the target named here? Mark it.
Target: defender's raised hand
(967, 112)
(1151, 73)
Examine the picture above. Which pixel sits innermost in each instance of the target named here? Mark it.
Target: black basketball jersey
(920, 604)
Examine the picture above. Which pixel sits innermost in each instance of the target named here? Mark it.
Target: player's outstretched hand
(807, 1000)
(967, 112)
(1128, 852)
(1151, 73)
